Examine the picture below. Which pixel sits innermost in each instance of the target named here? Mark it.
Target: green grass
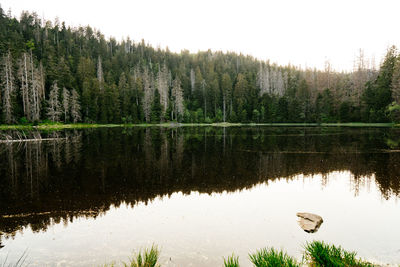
(359, 124)
(147, 258)
(55, 126)
(318, 253)
(231, 261)
(269, 257)
(60, 126)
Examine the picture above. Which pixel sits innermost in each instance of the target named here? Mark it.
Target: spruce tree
(156, 108)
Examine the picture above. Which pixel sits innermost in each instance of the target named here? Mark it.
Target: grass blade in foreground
(20, 262)
(319, 253)
(271, 258)
(232, 261)
(148, 258)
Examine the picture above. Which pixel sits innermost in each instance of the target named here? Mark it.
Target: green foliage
(393, 144)
(233, 117)
(207, 120)
(394, 112)
(321, 254)
(49, 122)
(147, 258)
(23, 121)
(243, 116)
(256, 116)
(262, 114)
(282, 111)
(377, 95)
(156, 108)
(30, 44)
(269, 257)
(199, 116)
(218, 116)
(187, 117)
(231, 261)
(316, 253)
(324, 107)
(344, 112)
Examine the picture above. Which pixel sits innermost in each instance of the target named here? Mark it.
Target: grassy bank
(60, 126)
(315, 254)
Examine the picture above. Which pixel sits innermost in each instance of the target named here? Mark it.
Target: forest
(50, 71)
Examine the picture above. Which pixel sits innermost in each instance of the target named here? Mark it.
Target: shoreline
(60, 126)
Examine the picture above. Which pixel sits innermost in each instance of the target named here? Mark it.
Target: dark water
(88, 197)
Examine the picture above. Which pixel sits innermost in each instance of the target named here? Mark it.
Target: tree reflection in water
(80, 173)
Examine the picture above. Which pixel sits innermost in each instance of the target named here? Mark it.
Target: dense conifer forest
(52, 72)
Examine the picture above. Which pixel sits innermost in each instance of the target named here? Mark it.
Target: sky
(305, 33)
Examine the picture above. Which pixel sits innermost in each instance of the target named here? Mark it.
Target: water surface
(93, 196)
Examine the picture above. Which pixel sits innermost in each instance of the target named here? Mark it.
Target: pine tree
(88, 83)
(396, 81)
(75, 106)
(156, 108)
(162, 86)
(192, 80)
(378, 95)
(54, 107)
(226, 86)
(198, 92)
(240, 91)
(203, 89)
(125, 95)
(148, 94)
(66, 103)
(112, 104)
(177, 96)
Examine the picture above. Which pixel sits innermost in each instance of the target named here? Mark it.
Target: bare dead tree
(8, 88)
(66, 103)
(100, 77)
(177, 98)
(162, 86)
(148, 93)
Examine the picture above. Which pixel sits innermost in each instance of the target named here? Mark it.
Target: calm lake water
(96, 196)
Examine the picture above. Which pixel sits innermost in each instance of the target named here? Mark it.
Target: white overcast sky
(302, 32)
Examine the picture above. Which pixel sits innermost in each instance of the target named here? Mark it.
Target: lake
(94, 196)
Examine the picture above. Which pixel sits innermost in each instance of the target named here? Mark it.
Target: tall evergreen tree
(156, 108)
(75, 106)
(54, 107)
(226, 87)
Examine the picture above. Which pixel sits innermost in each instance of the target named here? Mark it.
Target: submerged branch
(32, 140)
(31, 136)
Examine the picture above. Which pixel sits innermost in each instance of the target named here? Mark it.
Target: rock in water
(309, 222)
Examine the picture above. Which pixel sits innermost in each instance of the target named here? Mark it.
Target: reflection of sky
(199, 229)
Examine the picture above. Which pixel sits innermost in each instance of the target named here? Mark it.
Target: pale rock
(309, 222)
